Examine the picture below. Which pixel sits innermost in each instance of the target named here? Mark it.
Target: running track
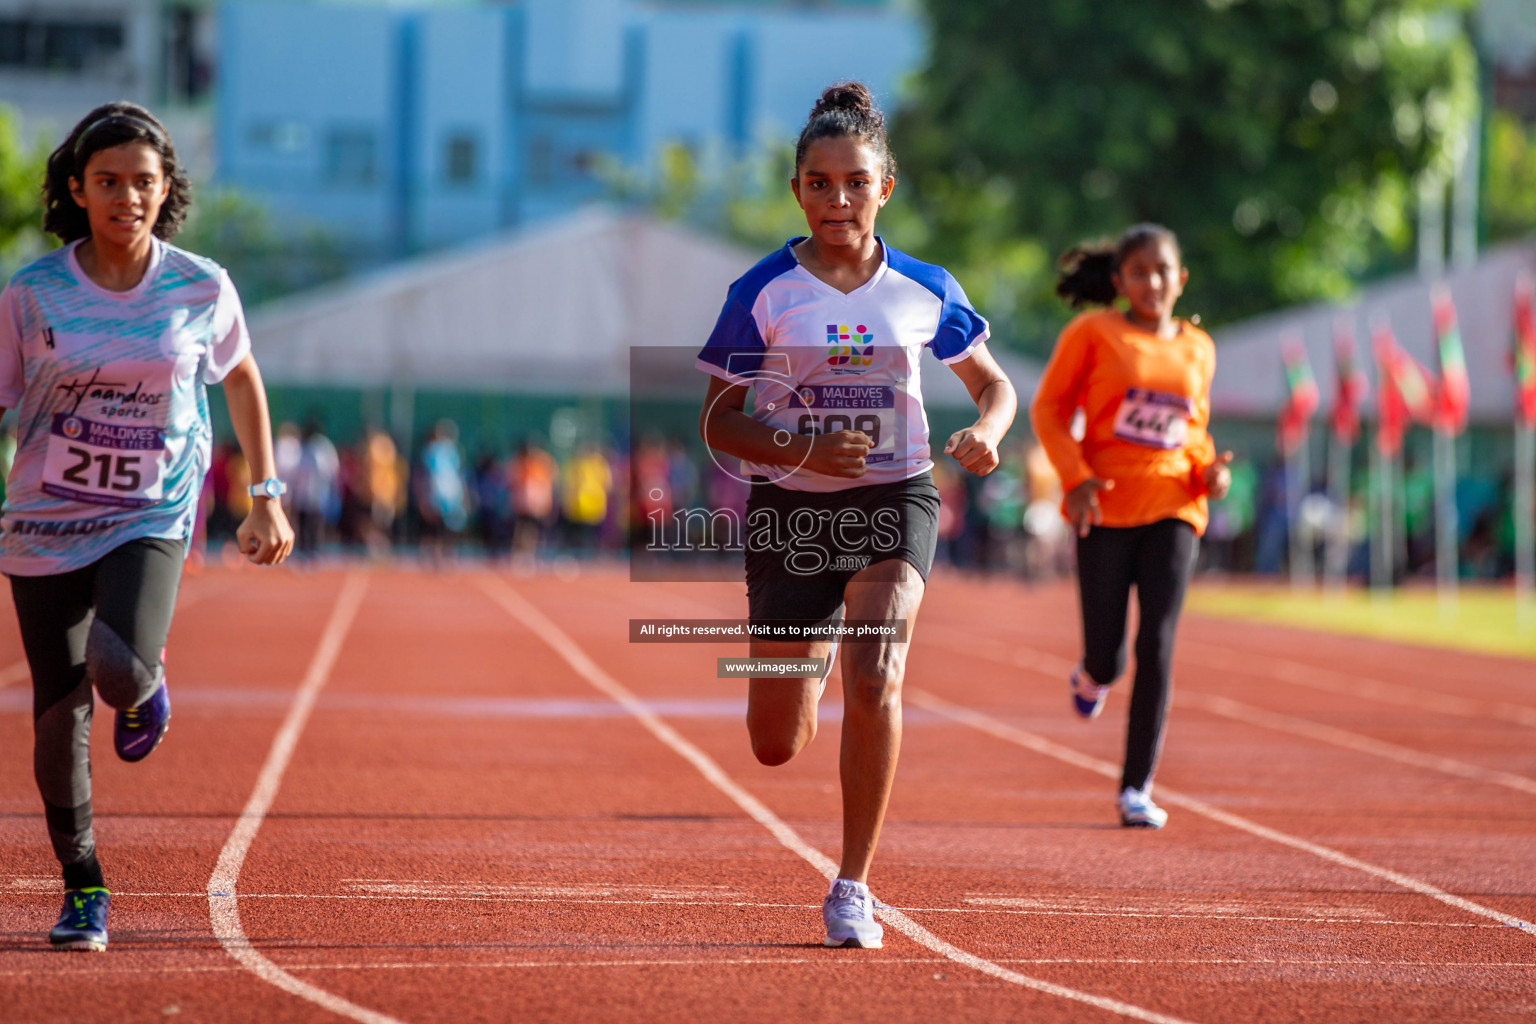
(415, 797)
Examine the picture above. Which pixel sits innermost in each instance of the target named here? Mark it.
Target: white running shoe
(1138, 811)
(849, 913)
(831, 660)
(1087, 695)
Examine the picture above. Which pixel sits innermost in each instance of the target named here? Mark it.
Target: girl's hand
(1218, 477)
(265, 538)
(1083, 504)
(840, 453)
(974, 450)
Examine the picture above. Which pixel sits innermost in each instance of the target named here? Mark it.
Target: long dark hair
(1087, 271)
(847, 109)
(111, 124)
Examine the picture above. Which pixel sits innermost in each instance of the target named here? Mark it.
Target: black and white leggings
(102, 626)
(1158, 559)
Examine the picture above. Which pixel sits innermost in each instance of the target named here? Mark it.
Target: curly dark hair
(111, 124)
(847, 109)
(1087, 271)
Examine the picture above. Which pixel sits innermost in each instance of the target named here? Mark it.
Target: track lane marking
(546, 630)
(844, 963)
(223, 906)
(999, 729)
(1054, 667)
(1335, 682)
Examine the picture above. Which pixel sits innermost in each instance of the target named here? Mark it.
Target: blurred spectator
(381, 489)
(314, 495)
(493, 499)
(584, 491)
(531, 476)
(441, 497)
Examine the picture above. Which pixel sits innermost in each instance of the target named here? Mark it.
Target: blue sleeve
(735, 346)
(961, 328)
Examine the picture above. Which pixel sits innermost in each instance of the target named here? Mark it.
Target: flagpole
(1336, 556)
(1400, 536)
(1298, 482)
(1525, 525)
(1445, 521)
(1381, 540)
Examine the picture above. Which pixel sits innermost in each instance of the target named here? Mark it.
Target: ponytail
(1087, 276)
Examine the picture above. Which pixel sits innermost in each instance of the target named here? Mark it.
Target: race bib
(104, 463)
(1154, 419)
(828, 408)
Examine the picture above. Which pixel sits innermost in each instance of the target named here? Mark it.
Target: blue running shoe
(1087, 695)
(849, 914)
(83, 924)
(138, 730)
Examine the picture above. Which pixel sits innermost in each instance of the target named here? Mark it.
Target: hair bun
(853, 97)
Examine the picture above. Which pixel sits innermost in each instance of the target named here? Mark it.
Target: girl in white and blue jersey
(106, 348)
(827, 334)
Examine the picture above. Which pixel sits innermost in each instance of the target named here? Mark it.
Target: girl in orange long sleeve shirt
(1137, 483)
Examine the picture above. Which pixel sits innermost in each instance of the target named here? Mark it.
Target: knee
(1105, 667)
(876, 685)
(115, 669)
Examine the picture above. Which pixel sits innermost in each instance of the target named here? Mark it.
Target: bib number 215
(103, 471)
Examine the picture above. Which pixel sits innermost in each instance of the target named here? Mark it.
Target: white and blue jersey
(109, 390)
(819, 360)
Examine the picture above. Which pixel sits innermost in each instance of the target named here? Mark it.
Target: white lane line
(1228, 708)
(969, 911)
(1347, 684)
(843, 962)
(1058, 668)
(1039, 744)
(223, 908)
(545, 629)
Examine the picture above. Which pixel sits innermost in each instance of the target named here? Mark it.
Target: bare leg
(872, 676)
(781, 713)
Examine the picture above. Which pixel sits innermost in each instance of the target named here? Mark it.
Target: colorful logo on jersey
(808, 396)
(73, 428)
(850, 351)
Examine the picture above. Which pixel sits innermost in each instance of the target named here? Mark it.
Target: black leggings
(103, 625)
(1158, 558)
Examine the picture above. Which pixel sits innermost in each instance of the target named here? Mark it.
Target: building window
(541, 161)
(351, 156)
(278, 136)
(58, 45)
(461, 157)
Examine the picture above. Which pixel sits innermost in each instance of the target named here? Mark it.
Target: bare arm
(725, 427)
(975, 447)
(265, 537)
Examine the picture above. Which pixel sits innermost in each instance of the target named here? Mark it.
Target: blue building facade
(406, 129)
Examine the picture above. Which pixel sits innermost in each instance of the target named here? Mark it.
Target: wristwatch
(272, 487)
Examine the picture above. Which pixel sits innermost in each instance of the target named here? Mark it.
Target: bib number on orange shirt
(1153, 419)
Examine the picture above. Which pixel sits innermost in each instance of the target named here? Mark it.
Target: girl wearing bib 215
(827, 333)
(1137, 483)
(106, 346)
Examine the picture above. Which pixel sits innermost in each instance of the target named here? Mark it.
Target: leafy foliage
(1280, 138)
(21, 201)
(1511, 196)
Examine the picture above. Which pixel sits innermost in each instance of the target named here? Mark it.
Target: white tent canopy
(1250, 381)
(554, 310)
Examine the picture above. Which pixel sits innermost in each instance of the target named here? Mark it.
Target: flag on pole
(1301, 396)
(1404, 393)
(1453, 393)
(1350, 386)
(1523, 357)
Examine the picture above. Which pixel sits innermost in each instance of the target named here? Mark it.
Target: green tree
(1511, 195)
(265, 263)
(1280, 138)
(21, 200)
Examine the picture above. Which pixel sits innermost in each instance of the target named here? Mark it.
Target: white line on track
(843, 963)
(546, 629)
(1348, 684)
(969, 911)
(223, 908)
(983, 722)
(1058, 668)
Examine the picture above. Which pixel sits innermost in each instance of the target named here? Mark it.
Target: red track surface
(469, 829)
